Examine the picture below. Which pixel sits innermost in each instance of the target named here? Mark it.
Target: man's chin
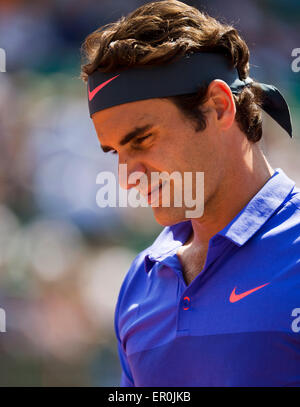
(167, 216)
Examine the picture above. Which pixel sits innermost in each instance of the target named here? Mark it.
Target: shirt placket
(186, 311)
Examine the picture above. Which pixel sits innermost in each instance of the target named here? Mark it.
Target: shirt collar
(244, 225)
(259, 209)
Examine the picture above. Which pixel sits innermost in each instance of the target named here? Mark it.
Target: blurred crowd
(62, 258)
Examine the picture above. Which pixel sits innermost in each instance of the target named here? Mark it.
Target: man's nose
(131, 174)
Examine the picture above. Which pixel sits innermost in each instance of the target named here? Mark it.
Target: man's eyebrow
(129, 136)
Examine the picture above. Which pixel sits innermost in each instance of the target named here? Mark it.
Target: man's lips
(154, 193)
(147, 193)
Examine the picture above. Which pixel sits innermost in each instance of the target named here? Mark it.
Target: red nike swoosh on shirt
(99, 87)
(236, 297)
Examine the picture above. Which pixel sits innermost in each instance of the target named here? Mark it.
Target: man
(215, 300)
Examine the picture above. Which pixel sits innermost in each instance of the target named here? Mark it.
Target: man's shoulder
(290, 209)
(295, 198)
(284, 224)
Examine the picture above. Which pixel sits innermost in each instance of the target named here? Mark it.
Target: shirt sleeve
(126, 376)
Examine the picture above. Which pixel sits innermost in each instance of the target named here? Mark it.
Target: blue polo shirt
(238, 322)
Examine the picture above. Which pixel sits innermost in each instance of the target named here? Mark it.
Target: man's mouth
(154, 194)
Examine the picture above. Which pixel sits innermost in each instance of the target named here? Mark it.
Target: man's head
(210, 131)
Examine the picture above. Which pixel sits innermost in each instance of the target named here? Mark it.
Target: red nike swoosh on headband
(236, 297)
(99, 87)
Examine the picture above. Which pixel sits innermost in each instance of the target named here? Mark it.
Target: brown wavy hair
(163, 31)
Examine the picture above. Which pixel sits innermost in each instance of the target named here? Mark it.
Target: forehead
(124, 117)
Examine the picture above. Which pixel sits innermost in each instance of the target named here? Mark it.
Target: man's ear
(220, 98)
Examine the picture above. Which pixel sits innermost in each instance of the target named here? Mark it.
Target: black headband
(184, 76)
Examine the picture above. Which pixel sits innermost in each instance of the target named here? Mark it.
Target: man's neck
(240, 186)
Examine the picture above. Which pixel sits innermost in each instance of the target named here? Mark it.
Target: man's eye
(141, 139)
(113, 152)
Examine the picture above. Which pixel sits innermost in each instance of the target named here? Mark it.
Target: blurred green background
(62, 258)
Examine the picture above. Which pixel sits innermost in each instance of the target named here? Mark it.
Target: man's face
(165, 140)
